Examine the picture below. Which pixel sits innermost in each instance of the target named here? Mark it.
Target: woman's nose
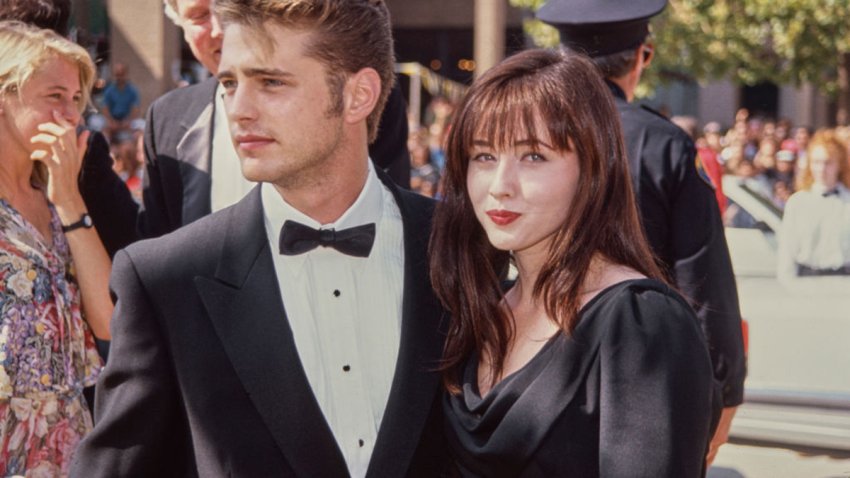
(503, 183)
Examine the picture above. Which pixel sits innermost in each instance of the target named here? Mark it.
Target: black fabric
(204, 378)
(296, 238)
(389, 151)
(808, 271)
(600, 27)
(629, 394)
(107, 198)
(681, 218)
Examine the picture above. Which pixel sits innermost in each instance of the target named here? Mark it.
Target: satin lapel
(415, 383)
(245, 306)
(195, 158)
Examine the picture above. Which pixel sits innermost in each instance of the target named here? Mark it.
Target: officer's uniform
(677, 205)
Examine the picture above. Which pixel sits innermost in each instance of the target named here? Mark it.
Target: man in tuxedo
(192, 168)
(294, 333)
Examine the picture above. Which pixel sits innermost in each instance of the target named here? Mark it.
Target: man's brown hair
(348, 35)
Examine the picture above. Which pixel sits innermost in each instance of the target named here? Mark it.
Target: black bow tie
(831, 192)
(296, 238)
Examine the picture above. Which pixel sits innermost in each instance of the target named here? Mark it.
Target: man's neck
(627, 84)
(325, 199)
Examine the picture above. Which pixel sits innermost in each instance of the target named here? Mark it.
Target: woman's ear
(362, 92)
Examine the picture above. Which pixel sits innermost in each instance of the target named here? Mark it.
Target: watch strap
(84, 222)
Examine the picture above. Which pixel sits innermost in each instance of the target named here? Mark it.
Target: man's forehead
(185, 5)
(263, 42)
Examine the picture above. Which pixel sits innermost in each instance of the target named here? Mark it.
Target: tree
(748, 41)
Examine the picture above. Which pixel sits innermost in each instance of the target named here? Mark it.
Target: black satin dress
(630, 394)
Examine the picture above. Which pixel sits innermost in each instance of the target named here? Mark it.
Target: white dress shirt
(345, 315)
(228, 184)
(815, 231)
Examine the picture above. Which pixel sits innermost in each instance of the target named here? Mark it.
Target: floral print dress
(47, 351)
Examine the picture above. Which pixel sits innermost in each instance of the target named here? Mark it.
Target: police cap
(601, 27)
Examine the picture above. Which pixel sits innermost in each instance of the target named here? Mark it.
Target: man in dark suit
(294, 333)
(677, 206)
(192, 169)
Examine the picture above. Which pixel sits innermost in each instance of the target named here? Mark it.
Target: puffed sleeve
(657, 398)
(138, 423)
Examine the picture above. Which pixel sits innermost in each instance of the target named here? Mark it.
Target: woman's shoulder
(638, 306)
(639, 293)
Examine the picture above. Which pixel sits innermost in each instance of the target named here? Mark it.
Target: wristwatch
(85, 222)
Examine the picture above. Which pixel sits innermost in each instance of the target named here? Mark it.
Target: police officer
(676, 198)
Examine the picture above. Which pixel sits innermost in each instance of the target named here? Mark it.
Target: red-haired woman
(589, 364)
(815, 235)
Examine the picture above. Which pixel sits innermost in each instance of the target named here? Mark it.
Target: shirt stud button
(346, 368)
(360, 442)
(337, 293)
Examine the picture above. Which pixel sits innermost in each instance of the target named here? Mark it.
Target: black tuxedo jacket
(178, 150)
(204, 378)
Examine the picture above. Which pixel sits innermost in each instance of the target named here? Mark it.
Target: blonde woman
(53, 267)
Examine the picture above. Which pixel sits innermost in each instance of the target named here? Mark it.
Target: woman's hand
(62, 153)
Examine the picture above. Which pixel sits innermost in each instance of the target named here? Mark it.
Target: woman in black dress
(589, 364)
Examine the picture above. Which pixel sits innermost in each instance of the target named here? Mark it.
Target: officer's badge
(703, 174)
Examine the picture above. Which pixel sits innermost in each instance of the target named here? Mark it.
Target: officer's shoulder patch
(702, 173)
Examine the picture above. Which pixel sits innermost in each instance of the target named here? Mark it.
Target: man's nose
(215, 30)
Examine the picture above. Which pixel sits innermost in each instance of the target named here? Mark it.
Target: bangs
(520, 110)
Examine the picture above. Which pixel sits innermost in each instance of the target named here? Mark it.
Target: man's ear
(362, 92)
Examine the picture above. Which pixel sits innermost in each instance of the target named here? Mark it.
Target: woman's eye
(535, 157)
(483, 157)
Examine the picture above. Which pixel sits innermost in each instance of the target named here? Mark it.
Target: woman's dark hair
(565, 91)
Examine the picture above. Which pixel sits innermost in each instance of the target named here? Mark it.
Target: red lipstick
(502, 217)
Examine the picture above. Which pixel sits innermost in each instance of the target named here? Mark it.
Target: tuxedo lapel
(415, 382)
(244, 303)
(194, 152)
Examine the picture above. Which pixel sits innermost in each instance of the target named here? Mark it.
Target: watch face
(87, 222)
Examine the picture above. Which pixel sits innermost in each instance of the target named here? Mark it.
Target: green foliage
(749, 41)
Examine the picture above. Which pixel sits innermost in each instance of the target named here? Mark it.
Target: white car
(798, 384)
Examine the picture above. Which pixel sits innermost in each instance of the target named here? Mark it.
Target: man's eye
(272, 82)
(199, 17)
(228, 84)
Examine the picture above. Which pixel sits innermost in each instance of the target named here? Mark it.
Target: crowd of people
(403, 348)
(805, 175)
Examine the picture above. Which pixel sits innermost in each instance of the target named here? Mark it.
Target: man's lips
(502, 217)
(251, 141)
